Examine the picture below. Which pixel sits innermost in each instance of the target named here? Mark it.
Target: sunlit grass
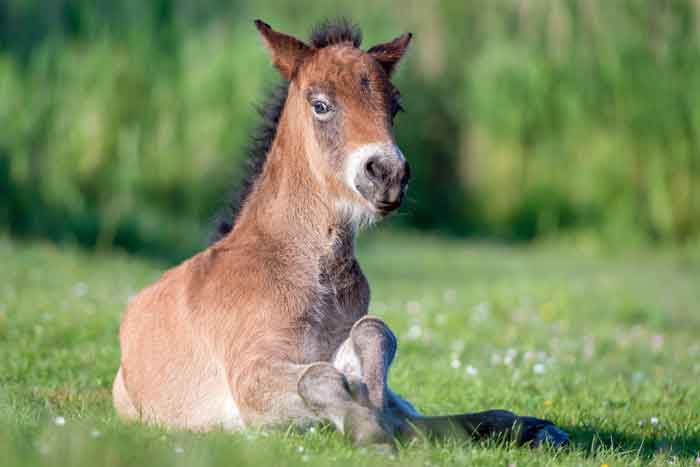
(607, 347)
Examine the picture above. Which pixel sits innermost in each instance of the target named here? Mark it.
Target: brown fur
(268, 325)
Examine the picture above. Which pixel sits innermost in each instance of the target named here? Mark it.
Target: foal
(269, 325)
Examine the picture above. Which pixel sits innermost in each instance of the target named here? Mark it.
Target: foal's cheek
(329, 136)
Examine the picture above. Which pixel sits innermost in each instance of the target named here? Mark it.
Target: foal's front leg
(326, 392)
(280, 392)
(366, 357)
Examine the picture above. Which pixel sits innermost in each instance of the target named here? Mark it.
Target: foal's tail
(499, 424)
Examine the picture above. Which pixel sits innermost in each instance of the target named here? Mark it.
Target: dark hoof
(536, 432)
(552, 436)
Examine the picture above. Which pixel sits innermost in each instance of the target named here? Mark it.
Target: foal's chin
(378, 213)
(360, 214)
(386, 209)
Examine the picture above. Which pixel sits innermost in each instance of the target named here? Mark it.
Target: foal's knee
(326, 392)
(321, 386)
(371, 333)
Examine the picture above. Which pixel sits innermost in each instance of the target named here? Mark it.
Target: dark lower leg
(491, 423)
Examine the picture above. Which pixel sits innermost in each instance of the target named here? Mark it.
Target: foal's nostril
(373, 170)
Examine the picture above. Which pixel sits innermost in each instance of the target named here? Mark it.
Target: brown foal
(269, 325)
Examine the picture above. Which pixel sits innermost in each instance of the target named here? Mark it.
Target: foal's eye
(320, 107)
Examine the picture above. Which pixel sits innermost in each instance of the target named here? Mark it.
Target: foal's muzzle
(383, 180)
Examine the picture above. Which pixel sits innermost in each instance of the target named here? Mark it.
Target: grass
(607, 346)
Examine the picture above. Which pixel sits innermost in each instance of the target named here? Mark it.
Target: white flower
(95, 433)
(481, 311)
(80, 289)
(654, 421)
(300, 449)
(589, 347)
(59, 421)
(43, 449)
(414, 332)
(509, 359)
(455, 363)
(471, 371)
(179, 450)
(538, 368)
(657, 342)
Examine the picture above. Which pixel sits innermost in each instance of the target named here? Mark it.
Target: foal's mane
(323, 34)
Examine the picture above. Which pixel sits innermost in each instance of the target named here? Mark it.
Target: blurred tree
(125, 122)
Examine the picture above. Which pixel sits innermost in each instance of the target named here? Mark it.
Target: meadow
(546, 259)
(603, 343)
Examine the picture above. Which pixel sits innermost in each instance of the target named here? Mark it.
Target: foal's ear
(286, 51)
(389, 53)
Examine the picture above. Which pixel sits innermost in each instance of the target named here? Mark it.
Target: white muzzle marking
(363, 213)
(358, 158)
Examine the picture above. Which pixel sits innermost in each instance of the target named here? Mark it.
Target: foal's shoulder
(221, 272)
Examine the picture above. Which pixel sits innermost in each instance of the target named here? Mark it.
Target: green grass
(599, 344)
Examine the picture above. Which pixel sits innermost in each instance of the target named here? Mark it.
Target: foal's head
(342, 105)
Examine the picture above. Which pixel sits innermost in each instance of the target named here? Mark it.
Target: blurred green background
(124, 123)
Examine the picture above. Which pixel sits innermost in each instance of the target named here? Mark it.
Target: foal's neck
(291, 206)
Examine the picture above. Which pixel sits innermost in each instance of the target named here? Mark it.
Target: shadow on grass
(590, 440)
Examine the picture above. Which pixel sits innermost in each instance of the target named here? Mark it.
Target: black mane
(336, 31)
(323, 34)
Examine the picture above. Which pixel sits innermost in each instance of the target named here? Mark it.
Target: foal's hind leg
(492, 423)
(326, 392)
(365, 357)
(276, 393)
